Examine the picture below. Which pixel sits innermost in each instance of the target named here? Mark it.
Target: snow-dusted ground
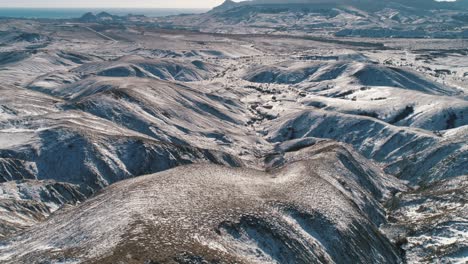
(325, 132)
(432, 221)
(233, 215)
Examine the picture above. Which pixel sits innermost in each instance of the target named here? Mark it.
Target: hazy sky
(112, 3)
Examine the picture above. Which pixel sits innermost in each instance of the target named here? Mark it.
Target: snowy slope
(140, 67)
(83, 149)
(25, 203)
(238, 215)
(415, 155)
(346, 73)
(433, 219)
(397, 106)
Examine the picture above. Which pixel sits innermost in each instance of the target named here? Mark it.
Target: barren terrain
(146, 141)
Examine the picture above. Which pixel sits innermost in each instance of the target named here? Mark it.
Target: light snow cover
(258, 132)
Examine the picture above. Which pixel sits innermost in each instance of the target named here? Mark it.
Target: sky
(112, 3)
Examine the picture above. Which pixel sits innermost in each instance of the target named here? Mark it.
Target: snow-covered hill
(237, 215)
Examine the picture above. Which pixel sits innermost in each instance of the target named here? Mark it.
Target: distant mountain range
(362, 4)
(357, 18)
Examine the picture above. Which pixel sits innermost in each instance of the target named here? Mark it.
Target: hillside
(239, 215)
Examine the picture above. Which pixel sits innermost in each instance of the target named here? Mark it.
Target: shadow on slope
(346, 73)
(415, 155)
(237, 215)
(164, 69)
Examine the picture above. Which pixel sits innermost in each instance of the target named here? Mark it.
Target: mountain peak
(228, 4)
(104, 14)
(88, 17)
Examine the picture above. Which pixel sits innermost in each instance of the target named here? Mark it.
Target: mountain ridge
(422, 4)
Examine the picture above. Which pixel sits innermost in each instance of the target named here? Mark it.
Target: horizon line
(97, 7)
